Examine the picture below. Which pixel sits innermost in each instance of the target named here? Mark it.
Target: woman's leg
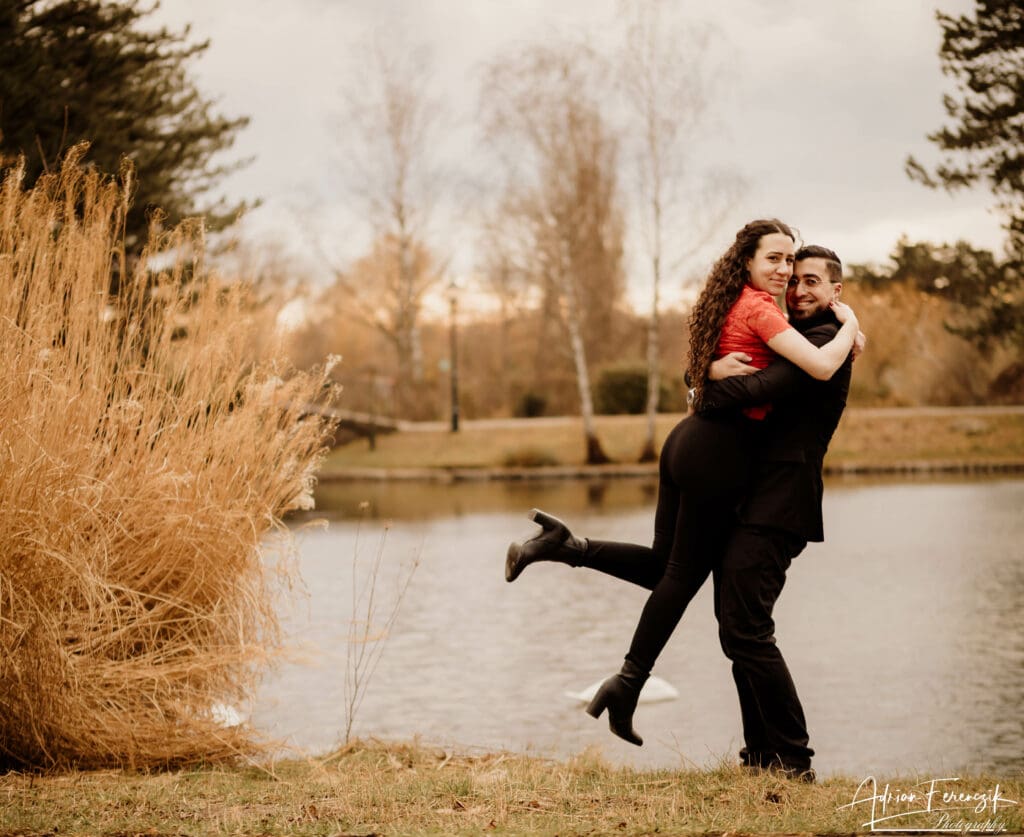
(688, 567)
(705, 462)
(630, 562)
(698, 544)
(641, 565)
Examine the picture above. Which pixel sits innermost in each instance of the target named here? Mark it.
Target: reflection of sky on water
(903, 631)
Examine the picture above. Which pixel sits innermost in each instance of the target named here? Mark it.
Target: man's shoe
(798, 771)
(619, 695)
(554, 543)
(798, 774)
(752, 759)
(758, 761)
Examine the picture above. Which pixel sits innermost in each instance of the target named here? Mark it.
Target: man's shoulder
(821, 331)
(830, 326)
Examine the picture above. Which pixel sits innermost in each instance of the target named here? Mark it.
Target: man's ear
(837, 289)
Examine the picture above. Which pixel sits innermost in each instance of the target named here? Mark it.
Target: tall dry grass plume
(144, 460)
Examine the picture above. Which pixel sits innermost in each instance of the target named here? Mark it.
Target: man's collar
(807, 323)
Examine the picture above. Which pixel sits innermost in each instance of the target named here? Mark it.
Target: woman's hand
(842, 311)
(734, 363)
(859, 342)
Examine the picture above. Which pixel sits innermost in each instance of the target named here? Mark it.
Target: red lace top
(753, 320)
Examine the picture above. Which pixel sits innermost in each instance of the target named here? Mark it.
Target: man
(781, 514)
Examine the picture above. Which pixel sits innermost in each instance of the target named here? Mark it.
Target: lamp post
(453, 372)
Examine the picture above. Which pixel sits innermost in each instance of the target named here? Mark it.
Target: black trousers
(703, 471)
(702, 477)
(748, 581)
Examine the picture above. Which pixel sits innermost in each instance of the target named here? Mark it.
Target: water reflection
(903, 631)
(418, 500)
(411, 500)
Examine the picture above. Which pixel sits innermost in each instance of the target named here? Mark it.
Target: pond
(904, 631)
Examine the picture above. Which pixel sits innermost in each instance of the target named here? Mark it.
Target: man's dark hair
(816, 251)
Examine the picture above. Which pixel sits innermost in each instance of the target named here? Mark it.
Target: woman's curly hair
(722, 289)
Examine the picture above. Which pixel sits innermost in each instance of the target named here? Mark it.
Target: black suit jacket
(786, 489)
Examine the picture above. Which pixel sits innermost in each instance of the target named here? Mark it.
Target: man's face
(809, 291)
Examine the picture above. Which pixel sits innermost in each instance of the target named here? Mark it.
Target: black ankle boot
(554, 543)
(619, 694)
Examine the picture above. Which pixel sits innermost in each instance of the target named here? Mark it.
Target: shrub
(529, 457)
(531, 405)
(144, 460)
(623, 390)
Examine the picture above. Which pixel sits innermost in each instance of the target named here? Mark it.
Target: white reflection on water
(903, 631)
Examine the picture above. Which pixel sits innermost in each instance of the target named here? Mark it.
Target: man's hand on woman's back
(734, 363)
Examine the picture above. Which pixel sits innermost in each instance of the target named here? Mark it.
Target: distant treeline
(934, 316)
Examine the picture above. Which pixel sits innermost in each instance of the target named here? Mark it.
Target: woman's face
(772, 263)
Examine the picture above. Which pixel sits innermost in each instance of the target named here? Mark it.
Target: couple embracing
(740, 483)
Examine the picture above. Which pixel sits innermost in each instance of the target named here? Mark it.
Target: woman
(704, 461)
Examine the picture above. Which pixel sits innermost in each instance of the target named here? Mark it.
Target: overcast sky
(818, 107)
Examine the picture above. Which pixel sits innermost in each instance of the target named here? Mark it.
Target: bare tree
(388, 130)
(562, 202)
(663, 73)
(385, 289)
(503, 277)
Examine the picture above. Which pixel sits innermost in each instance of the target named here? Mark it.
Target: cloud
(818, 106)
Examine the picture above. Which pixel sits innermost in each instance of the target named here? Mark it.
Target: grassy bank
(865, 436)
(394, 790)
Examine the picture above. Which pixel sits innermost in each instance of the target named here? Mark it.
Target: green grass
(411, 789)
(863, 436)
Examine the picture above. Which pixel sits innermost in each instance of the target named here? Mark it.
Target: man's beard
(807, 318)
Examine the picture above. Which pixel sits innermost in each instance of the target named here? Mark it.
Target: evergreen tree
(87, 70)
(985, 143)
(985, 291)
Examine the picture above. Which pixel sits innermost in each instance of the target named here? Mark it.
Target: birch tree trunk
(562, 212)
(595, 452)
(664, 73)
(388, 132)
(649, 453)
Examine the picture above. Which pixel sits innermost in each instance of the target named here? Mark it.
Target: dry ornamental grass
(145, 457)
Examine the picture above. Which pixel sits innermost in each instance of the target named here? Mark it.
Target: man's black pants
(748, 581)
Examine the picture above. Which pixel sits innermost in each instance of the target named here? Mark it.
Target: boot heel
(619, 697)
(598, 704)
(512, 568)
(553, 543)
(546, 522)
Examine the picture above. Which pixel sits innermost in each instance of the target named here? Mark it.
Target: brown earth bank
(868, 440)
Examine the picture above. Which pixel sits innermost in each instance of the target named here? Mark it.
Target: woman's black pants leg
(703, 470)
